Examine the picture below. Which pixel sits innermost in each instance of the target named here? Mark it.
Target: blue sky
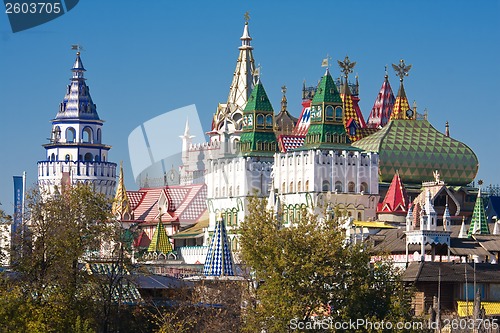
(145, 58)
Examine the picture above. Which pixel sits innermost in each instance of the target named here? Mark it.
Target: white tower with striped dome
(75, 152)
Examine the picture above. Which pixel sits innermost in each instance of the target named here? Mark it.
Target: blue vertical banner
(18, 203)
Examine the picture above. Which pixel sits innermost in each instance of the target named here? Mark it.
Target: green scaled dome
(416, 150)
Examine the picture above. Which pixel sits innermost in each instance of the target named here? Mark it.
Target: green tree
(309, 270)
(50, 291)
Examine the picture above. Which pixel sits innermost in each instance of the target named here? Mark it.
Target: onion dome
(416, 149)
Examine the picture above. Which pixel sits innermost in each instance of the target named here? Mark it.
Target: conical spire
(219, 260)
(160, 242)
(353, 118)
(401, 106)
(121, 204)
(463, 232)
(479, 225)
(241, 86)
(446, 219)
(409, 219)
(326, 129)
(77, 103)
(383, 106)
(258, 137)
(396, 199)
(285, 122)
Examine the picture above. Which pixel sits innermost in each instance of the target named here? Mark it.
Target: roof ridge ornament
(401, 69)
(346, 66)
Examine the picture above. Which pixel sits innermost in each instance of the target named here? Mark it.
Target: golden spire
(121, 204)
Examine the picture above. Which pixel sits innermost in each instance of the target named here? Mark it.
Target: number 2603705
(32, 8)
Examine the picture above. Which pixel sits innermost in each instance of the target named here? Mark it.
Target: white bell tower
(75, 152)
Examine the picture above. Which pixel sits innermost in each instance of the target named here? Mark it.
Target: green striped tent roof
(417, 149)
(160, 242)
(479, 224)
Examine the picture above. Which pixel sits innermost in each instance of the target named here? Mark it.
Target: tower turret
(75, 152)
(241, 87)
(401, 106)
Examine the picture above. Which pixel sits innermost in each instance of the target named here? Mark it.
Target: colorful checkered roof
(290, 142)
(396, 199)
(160, 242)
(382, 108)
(352, 115)
(304, 119)
(417, 149)
(186, 204)
(479, 224)
(401, 104)
(219, 260)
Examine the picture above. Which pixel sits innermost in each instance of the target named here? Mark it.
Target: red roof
(382, 108)
(396, 199)
(186, 204)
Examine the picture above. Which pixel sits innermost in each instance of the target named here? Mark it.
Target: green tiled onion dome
(416, 149)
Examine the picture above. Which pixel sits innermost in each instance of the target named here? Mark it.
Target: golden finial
(247, 17)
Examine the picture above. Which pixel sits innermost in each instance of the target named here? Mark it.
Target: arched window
(283, 187)
(56, 134)
(238, 190)
(307, 185)
(260, 120)
(299, 186)
(351, 187)
(235, 244)
(230, 191)
(359, 216)
(98, 135)
(338, 113)
(67, 158)
(216, 192)
(223, 191)
(325, 186)
(338, 187)
(88, 157)
(87, 135)
(329, 113)
(291, 187)
(70, 135)
(269, 121)
(53, 157)
(364, 187)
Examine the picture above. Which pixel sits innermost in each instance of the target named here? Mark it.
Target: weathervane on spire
(346, 66)
(326, 61)
(77, 47)
(256, 73)
(247, 17)
(401, 69)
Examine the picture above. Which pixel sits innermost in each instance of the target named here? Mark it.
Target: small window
(67, 158)
(87, 135)
(329, 113)
(351, 187)
(269, 121)
(291, 187)
(325, 186)
(283, 187)
(88, 157)
(338, 113)
(70, 135)
(98, 135)
(338, 187)
(299, 186)
(260, 120)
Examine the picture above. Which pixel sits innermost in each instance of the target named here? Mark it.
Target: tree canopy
(309, 271)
